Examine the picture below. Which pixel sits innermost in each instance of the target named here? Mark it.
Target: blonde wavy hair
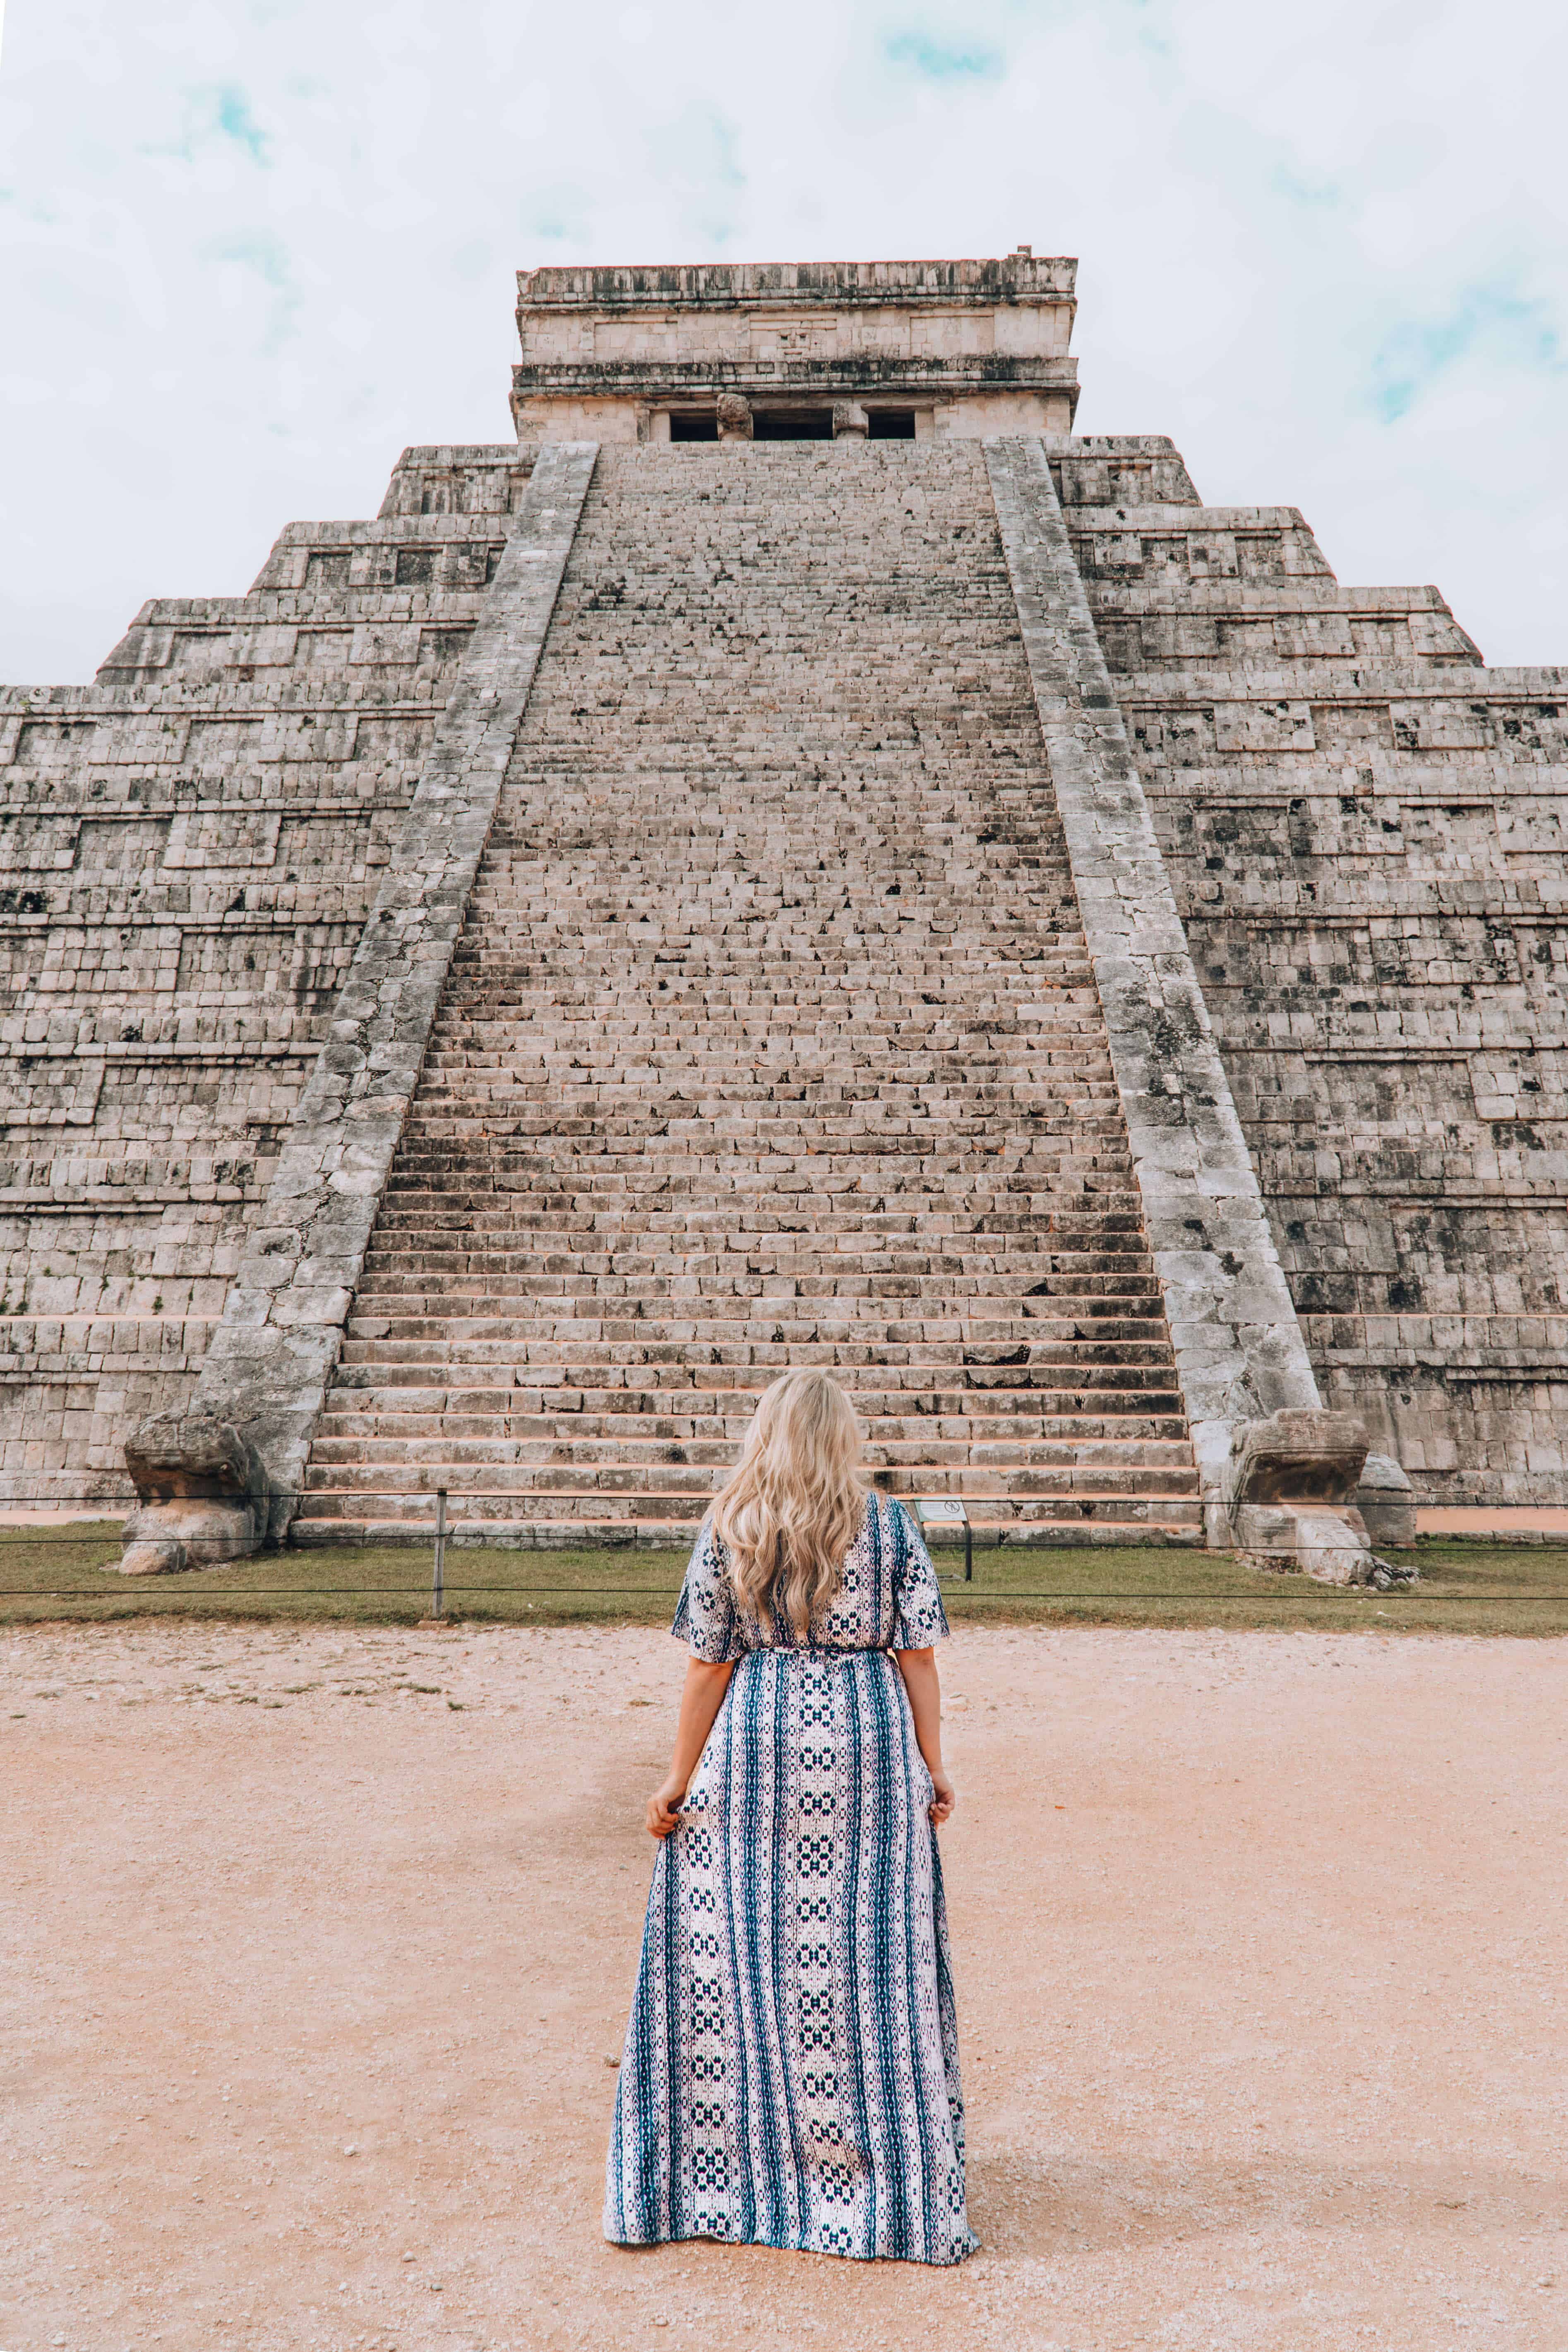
(794, 1504)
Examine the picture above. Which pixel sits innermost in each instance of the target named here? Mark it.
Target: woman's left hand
(944, 1796)
(664, 1808)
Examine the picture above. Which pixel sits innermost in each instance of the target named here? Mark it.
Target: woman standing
(790, 2075)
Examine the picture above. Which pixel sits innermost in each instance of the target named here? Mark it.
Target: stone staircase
(771, 1040)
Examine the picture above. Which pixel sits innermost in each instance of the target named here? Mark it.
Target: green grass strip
(67, 1574)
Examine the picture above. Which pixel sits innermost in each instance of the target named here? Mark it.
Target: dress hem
(792, 2246)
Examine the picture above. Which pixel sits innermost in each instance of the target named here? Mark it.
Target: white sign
(943, 1507)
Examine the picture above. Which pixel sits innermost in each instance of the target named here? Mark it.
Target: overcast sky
(250, 249)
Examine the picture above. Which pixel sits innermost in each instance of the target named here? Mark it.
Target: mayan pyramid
(798, 858)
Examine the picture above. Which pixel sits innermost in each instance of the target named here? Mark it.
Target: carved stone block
(1300, 1455)
(1327, 1545)
(1386, 1501)
(203, 1493)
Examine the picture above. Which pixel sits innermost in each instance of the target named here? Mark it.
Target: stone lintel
(265, 1375)
(538, 387)
(1240, 1353)
(767, 284)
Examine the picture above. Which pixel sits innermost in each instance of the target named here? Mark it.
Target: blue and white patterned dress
(790, 2075)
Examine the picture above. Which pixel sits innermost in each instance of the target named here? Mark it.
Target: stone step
(1047, 1450)
(597, 1389)
(888, 1436)
(652, 1502)
(983, 1192)
(1077, 1134)
(538, 1531)
(1158, 1467)
(500, 1174)
(466, 1237)
(1074, 1224)
(490, 1221)
(656, 1365)
(402, 1291)
(505, 1336)
(659, 1297)
(503, 1218)
(1106, 1271)
(771, 1342)
(549, 1471)
(356, 1417)
(997, 1458)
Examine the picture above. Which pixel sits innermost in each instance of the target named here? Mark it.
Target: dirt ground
(310, 2025)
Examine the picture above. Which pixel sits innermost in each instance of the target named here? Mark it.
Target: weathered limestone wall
(1365, 830)
(1240, 1355)
(190, 847)
(976, 347)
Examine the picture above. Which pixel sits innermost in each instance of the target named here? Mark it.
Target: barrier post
(947, 1511)
(438, 1589)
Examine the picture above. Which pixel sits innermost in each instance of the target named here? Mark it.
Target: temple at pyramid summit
(798, 857)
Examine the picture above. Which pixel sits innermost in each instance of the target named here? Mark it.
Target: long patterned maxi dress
(790, 2075)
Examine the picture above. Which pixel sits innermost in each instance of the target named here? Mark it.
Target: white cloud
(249, 251)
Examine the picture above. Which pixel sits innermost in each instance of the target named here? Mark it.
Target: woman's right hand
(664, 1807)
(944, 1796)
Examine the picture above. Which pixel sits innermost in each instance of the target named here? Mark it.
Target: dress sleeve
(919, 1617)
(705, 1615)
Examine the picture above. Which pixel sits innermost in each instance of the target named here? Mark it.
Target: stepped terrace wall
(1366, 831)
(190, 846)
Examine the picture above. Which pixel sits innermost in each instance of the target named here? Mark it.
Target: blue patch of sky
(214, 112)
(561, 215)
(697, 157)
(255, 249)
(940, 59)
(267, 257)
(730, 160)
(1413, 357)
(1308, 190)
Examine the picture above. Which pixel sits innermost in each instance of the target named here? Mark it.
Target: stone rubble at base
(1345, 833)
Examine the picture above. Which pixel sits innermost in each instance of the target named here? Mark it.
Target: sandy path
(1261, 1954)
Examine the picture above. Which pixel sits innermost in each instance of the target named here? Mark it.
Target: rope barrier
(445, 1531)
(1306, 1589)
